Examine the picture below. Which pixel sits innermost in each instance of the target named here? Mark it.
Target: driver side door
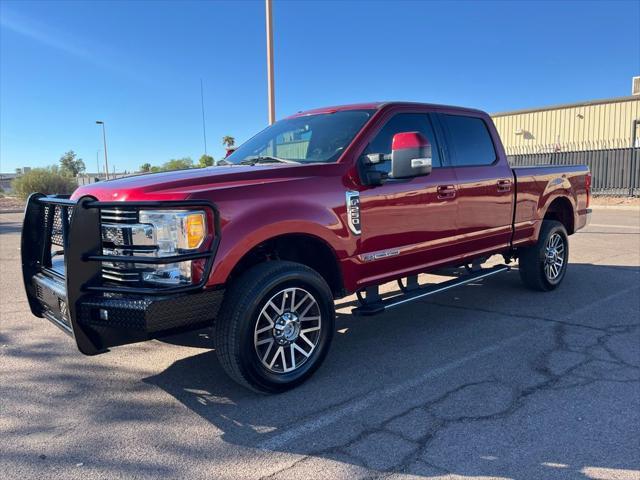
(407, 226)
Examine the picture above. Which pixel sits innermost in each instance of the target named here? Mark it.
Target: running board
(375, 308)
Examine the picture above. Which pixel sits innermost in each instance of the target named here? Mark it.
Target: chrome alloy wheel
(554, 257)
(287, 330)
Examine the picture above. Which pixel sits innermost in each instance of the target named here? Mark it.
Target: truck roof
(379, 105)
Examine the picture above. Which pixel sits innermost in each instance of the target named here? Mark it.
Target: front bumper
(100, 314)
(107, 321)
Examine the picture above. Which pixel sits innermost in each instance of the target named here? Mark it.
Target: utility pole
(270, 84)
(104, 140)
(204, 130)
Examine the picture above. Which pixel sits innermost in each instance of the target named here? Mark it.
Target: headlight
(175, 231)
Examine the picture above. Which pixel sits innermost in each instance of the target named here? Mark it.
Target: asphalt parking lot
(487, 381)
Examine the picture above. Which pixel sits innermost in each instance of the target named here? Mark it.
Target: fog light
(104, 314)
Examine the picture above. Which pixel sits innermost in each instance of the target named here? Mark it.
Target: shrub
(43, 180)
(178, 164)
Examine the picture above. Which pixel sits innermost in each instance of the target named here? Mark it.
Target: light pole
(98, 162)
(104, 140)
(270, 82)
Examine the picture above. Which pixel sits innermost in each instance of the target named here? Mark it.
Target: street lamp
(104, 140)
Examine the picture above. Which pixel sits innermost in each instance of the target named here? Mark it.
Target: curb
(12, 211)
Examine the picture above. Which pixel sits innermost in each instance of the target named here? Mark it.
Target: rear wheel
(544, 265)
(275, 326)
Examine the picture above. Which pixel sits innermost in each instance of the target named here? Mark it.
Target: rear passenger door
(485, 184)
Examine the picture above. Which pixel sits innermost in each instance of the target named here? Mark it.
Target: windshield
(308, 139)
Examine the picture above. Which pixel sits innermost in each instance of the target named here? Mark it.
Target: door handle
(504, 185)
(446, 191)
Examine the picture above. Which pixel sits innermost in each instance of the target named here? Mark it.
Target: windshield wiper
(265, 159)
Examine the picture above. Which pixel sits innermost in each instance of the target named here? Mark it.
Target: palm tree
(228, 141)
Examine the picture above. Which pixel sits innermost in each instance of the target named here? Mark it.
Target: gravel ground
(487, 381)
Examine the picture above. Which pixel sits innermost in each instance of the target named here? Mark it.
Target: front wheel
(543, 266)
(275, 326)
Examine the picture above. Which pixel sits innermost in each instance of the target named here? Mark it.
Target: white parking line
(607, 225)
(281, 439)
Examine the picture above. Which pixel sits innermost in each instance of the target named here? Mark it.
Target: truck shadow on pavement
(559, 404)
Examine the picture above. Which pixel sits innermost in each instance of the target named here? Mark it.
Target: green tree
(43, 180)
(178, 164)
(70, 164)
(206, 161)
(228, 141)
(145, 167)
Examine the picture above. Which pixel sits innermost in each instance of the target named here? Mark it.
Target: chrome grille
(118, 215)
(113, 234)
(121, 275)
(123, 236)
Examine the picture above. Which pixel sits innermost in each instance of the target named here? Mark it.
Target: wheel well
(562, 211)
(305, 249)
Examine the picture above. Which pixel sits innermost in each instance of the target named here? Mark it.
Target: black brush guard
(76, 298)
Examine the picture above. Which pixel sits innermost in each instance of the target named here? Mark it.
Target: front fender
(249, 228)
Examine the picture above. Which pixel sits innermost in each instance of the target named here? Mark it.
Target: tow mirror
(410, 155)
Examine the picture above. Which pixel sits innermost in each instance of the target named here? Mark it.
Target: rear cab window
(469, 142)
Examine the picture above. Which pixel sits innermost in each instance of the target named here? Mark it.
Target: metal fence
(615, 170)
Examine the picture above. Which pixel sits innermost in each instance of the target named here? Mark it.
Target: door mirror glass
(410, 155)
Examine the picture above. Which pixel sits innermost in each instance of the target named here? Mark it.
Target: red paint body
(446, 218)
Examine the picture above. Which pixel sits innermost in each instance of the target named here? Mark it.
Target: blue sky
(138, 65)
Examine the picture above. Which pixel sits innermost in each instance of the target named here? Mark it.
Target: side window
(403, 122)
(468, 140)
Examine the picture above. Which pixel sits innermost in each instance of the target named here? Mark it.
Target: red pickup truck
(320, 205)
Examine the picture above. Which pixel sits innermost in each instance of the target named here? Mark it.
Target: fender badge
(353, 211)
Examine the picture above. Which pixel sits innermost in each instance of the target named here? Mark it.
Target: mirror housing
(410, 155)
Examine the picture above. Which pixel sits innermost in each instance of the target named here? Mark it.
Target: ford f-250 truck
(320, 205)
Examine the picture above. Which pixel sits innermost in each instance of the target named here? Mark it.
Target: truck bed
(536, 189)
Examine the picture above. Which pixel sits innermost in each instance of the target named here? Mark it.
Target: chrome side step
(376, 307)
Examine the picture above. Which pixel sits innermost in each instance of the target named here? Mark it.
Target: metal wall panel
(605, 124)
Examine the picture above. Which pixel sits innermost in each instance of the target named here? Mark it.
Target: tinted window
(403, 122)
(468, 140)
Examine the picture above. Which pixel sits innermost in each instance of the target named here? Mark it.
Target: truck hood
(182, 184)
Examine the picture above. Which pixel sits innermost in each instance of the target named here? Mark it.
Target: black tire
(532, 260)
(241, 312)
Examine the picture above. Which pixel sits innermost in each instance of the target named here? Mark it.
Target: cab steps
(374, 304)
